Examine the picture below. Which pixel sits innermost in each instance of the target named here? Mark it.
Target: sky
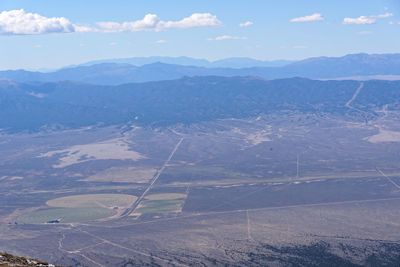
(48, 34)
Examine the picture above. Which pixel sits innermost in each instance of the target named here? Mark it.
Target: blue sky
(51, 34)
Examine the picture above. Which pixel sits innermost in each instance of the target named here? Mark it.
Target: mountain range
(362, 66)
(233, 62)
(32, 106)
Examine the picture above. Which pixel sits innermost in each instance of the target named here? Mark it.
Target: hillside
(30, 106)
(8, 260)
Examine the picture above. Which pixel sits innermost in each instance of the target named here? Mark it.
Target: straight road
(388, 178)
(134, 206)
(348, 104)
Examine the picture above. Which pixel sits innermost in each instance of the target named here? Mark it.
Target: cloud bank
(313, 17)
(152, 22)
(366, 19)
(227, 37)
(300, 47)
(19, 22)
(246, 24)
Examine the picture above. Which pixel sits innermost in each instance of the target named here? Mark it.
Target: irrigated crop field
(93, 201)
(79, 208)
(67, 215)
(161, 203)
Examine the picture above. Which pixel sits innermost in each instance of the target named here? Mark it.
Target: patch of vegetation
(160, 203)
(166, 196)
(65, 215)
(92, 201)
(195, 173)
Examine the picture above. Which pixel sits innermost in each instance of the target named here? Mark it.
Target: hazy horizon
(55, 34)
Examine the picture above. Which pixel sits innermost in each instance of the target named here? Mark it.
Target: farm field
(161, 203)
(67, 215)
(92, 201)
(79, 208)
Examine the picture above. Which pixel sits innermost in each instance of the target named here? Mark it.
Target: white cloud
(113, 43)
(359, 20)
(152, 22)
(300, 47)
(227, 37)
(246, 24)
(149, 22)
(80, 28)
(161, 41)
(313, 17)
(383, 16)
(19, 22)
(366, 19)
(195, 20)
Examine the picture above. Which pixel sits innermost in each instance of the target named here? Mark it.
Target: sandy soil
(110, 149)
(384, 136)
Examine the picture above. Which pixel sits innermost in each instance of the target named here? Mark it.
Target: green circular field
(67, 215)
(79, 208)
(92, 201)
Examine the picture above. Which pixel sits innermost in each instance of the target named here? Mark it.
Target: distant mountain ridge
(349, 65)
(234, 62)
(361, 65)
(188, 100)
